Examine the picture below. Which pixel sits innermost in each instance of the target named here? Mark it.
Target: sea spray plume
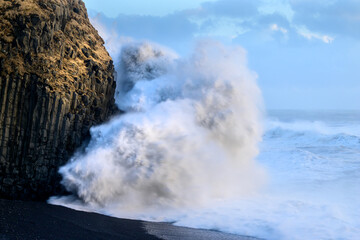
(189, 134)
(140, 63)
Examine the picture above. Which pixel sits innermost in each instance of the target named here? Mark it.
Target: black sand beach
(37, 220)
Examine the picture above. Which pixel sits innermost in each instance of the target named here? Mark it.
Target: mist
(188, 136)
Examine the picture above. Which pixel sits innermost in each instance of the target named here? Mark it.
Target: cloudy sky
(305, 52)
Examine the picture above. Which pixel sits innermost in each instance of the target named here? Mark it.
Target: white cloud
(275, 27)
(223, 27)
(289, 41)
(336, 17)
(281, 7)
(303, 31)
(231, 8)
(293, 20)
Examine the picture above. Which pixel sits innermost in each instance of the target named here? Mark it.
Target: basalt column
(56, 81)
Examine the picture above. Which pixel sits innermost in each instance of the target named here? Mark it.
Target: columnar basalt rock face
(56, 81)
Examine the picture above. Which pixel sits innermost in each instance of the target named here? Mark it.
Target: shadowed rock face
(56, 81)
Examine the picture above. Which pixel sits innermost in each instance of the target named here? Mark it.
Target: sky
(305, 52)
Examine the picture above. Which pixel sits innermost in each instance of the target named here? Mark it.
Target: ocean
(193, 148)
(312, 159)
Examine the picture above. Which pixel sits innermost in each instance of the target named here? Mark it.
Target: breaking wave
(188, 135)
(184, 151)
(313, 133)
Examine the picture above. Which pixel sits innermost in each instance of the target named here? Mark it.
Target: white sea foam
(189, 134)
(184, 152)
(313, 190)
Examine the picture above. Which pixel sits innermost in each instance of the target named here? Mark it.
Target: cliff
(56, 81)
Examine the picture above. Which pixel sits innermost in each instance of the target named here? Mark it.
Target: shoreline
(39, 220)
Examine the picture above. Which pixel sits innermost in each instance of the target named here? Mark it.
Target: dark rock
(35, 19)
(85, 100)
(8, 181)
(49, 95)
(76, 10)
(85, 51)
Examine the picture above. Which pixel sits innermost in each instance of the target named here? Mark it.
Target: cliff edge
(56, 81)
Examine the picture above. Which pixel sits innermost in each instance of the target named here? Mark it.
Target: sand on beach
(38, 220)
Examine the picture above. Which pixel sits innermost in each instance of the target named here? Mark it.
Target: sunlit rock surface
(56, 81)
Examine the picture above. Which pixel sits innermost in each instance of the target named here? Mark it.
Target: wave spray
(188, 134)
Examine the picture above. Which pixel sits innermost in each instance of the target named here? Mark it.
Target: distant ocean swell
(315, 132)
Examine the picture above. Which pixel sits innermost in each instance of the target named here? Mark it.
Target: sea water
(313, 191)
(195, 148)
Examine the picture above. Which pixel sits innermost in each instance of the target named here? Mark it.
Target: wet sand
(37, 220)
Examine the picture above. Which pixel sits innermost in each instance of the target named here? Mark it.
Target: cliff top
(52, 33)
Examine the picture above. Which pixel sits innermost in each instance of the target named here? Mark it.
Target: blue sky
(305, 52)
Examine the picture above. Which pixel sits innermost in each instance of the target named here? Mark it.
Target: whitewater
(194, 147)
(313, 191)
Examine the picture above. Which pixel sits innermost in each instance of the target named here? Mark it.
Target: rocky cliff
(56, 81)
